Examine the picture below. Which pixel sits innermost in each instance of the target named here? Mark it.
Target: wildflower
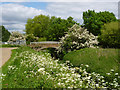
(108, 73)
(87, 65)
(116, 73)
(41, 69)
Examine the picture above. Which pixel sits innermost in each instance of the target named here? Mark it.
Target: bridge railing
(45, 42)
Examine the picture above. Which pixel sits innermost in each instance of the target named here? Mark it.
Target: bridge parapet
(44, 44)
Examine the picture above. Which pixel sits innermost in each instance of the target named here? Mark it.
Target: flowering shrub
(77, 38)
(49, 73)
(16, 36)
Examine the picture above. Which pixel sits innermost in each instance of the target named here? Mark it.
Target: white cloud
(14, 16)
(60, 0)
(75, 9)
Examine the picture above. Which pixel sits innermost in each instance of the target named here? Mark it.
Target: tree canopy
(51, 28)
(5, 34)
(110, 35)
(93, 21)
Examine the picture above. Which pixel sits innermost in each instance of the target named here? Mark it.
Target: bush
(110, 35)
(16, 36)
(75, 39)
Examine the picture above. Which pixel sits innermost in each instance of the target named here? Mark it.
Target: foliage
(51, 28)
(5, 34)
(93, 21)
(75, 39)
(99, 60)
(58, 27)
(38, 25)
(42, 39)
(110, 35)
(31, 38)
(16, 36)
(30, 69)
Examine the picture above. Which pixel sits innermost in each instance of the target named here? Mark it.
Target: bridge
(44, 44)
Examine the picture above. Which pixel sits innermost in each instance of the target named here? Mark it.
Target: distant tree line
(48, 28)
(45, 28)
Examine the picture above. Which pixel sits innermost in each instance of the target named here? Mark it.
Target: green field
(99, 60)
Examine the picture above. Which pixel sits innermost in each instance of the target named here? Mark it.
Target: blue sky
(37, 5)
(14, 15)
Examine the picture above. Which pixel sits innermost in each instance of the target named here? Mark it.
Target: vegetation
(50, 29)
(31, 38)
(81, 64)
(75, 39)
(30, 69)
(93, 21)
(110, 35)
(38, 25)
(9, 45)
(99, 60)
(5, 34)
(58, 27)
(16, 36)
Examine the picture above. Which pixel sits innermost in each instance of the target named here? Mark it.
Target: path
(5, 54)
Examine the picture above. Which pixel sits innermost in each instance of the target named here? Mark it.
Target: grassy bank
(30, 69)
(99, 60)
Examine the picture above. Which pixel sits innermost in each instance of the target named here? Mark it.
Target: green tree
(38, 25)
(48, 28)
(110, 35)
(5, 34)
(93, 21)
(58, 27)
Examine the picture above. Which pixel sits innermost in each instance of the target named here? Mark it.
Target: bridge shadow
(49, 46)
(52, 51)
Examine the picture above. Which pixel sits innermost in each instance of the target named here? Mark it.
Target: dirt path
(5, 54)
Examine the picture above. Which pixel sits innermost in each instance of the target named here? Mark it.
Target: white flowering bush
(41, 71)
(77, 38)
(16, 36)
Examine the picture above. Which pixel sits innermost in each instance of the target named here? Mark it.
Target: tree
(110, 35)
(48, 28)
(93, 21)
(58, 27)
(5, 34)
(38, 25)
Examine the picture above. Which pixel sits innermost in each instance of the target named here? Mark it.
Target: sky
(14, 14)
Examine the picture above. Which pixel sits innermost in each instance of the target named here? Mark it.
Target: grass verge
(99, 60)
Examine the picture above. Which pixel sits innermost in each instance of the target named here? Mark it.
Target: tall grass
(99, 60)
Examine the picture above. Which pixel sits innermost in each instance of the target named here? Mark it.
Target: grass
(10, 79)
(99, 60)
(31, 69)
(16, 78)
(9, 45)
